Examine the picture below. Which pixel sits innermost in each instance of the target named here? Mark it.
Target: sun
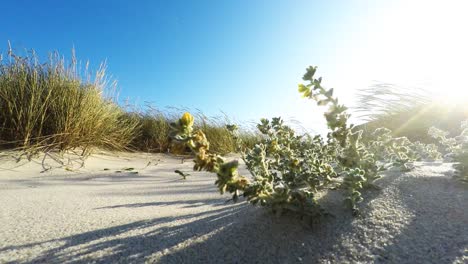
(450, 95)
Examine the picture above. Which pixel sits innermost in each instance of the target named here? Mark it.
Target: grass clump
(153, 133)
(220, 137)
(52, 106)
(49, 106)
(407, 112)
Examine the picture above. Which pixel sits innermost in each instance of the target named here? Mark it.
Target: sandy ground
(99, 215)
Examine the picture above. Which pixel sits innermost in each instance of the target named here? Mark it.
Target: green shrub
(288, 169)
(428, 152)
(455, 149)
(358, 165)
(398, 152)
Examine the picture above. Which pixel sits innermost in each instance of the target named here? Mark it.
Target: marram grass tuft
(50, 106)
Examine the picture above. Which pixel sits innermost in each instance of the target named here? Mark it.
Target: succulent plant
(455, 149)
(288, 170)
(352, 154)
(397, 152)
(227, 172)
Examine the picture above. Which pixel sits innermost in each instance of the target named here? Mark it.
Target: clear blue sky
(243, 57)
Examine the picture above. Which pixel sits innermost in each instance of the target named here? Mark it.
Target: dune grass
(58, 106)
(154, 127)
(407, 112)
(152, 134)
(50, 106)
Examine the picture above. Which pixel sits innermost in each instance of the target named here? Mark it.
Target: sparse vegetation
(288, 170)
(455, 149)
(49, 106)
(407, 112)
(52, 106)
(154, 129)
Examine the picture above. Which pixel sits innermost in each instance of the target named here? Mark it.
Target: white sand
(93, 215)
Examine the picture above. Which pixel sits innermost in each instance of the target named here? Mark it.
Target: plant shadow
(187, 203)
(435, 231)
(133, 242)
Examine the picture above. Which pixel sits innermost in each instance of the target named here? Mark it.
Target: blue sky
(243, 57)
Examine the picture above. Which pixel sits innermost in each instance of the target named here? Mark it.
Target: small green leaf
(322, 102)
(183, 174)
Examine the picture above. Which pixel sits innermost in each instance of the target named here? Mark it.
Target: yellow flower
(302, 88)
(186, 119)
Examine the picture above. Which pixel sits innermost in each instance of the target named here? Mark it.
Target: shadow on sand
(242, 233)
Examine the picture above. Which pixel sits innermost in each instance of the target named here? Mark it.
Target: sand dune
(106, 213)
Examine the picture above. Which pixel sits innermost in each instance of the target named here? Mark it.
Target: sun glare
(420, 43)
(452, 98)
(452, 92)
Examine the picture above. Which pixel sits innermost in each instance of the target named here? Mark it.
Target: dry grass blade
(407, 112)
